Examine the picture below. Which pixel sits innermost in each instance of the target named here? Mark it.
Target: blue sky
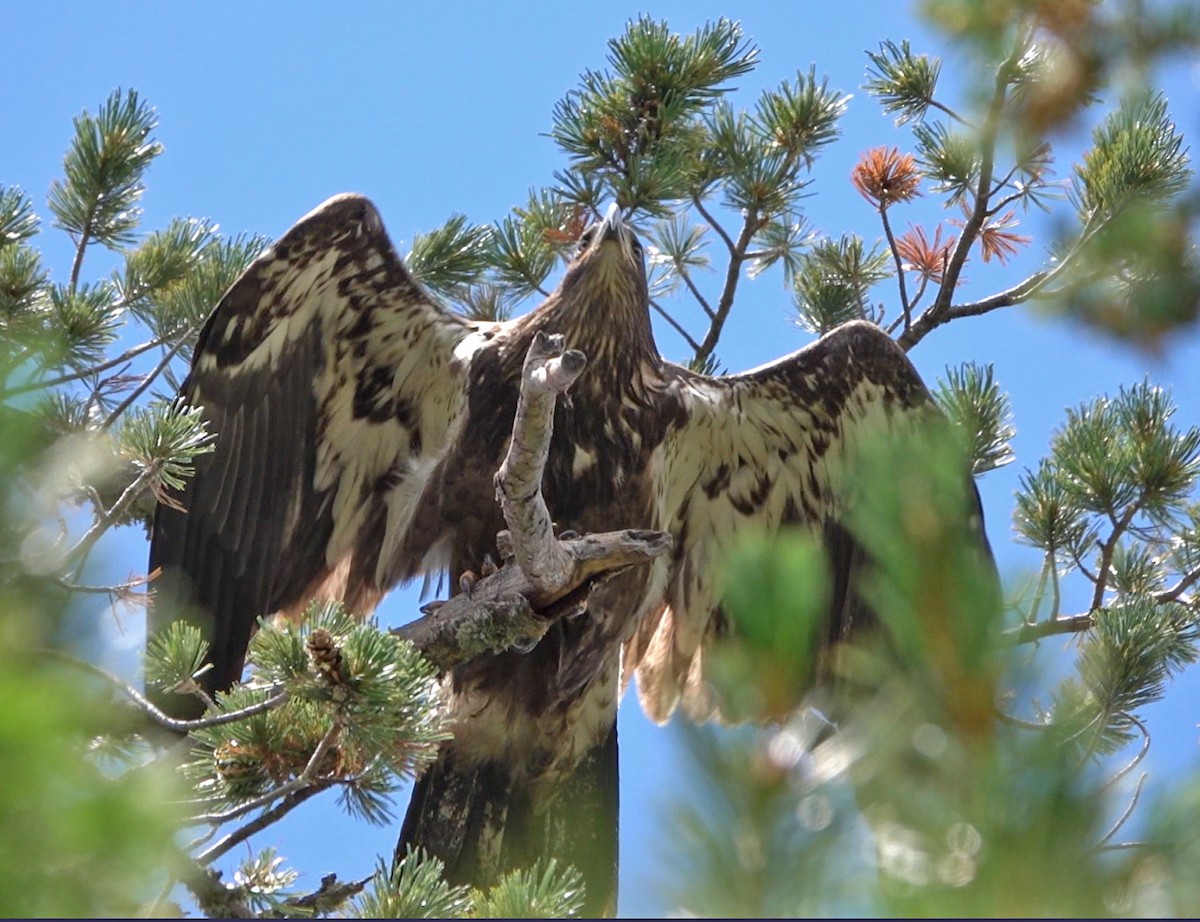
(267, 109)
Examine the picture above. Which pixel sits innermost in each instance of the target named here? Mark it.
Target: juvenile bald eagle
(359, 426)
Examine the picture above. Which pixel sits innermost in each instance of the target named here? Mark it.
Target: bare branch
(213, 898)
(548, 371)
(687, 280)
(905, 304)
(936, 313)
(715, 225)
(1134, 762)
(543, 578)
(1028, 633)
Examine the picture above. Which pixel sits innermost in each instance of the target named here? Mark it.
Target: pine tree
(976, 803)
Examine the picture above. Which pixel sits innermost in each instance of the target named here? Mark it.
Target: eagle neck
(618, 341)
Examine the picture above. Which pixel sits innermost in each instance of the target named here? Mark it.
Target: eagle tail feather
(482, 822)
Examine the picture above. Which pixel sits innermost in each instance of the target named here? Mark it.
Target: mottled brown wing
(760, 449)
(330, 379)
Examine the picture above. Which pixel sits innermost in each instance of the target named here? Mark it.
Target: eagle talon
(523, 645)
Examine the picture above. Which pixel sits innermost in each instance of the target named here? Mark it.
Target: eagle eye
(585, 238)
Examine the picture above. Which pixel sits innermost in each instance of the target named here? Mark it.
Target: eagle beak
(612, 227)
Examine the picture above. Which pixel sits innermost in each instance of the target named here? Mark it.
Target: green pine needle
(903, 82)
(83, 324)
(834, 282)
(541, 892)
(174, 655)
(783, 240)
(165, 258)
(180, 309)
(98, 197)
(1137, 154)
(801, 116)
(950, 158)
(449, 257)
(24, 294)
(981, 411)
(1048, 512)
(414, 889)
(522, 255)
(165, 438)
(18, 220)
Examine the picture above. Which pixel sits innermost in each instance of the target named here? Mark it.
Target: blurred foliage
(967, 813)
(79, 840)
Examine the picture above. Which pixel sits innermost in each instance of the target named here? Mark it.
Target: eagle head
(608, 270)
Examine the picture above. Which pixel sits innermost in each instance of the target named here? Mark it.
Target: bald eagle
(359, 425)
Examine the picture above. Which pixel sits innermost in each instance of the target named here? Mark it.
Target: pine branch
(1186, 582)
(696, 293)
(934, 315)
(1126, 813)
(213, 898)
(1107, 548)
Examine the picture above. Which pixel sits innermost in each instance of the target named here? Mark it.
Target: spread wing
(331, 379)
(758, 450)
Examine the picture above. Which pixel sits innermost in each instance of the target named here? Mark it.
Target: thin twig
(122, 591)
(713, 223)
(171, 723)
(1136, 760)
(1107, 549)
(1018, 722)
(105, 519)
(141, 388)
(1122, 846)
(692, 344)
(936, 313)
(1030, 632)
(126, 356)
(905, 305)
(942, 107)
(1126, 813)
(687, 280)
(1173, 594)
(80, 247)
(262, 821)
(732, 275)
